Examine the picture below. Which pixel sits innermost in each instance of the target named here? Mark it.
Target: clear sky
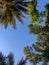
(15, 40)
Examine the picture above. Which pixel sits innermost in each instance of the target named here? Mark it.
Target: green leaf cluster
(33, 11)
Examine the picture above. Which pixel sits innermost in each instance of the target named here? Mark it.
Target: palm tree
(11, 9)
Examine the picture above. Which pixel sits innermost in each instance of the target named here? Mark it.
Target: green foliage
(33, 12)
(35, 29)
(39, 52)
(37, 16)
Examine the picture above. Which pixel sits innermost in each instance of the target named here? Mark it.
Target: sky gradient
(14, 40)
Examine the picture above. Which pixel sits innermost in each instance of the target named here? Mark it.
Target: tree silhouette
(9, 60)
(2, 59)
(6, 60)
(22, 62)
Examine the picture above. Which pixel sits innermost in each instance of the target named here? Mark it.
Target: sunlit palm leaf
(11, 9)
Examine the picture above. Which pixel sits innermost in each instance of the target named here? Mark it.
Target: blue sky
(15, 40)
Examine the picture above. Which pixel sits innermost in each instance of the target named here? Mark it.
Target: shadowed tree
(9, 60)
(39, 52)
(22, 62)
(2, 59)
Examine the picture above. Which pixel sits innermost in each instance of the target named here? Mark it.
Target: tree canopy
(38, 52)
